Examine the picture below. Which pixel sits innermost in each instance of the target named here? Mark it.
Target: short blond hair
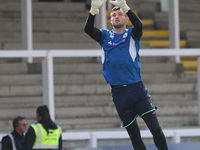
(115, 8)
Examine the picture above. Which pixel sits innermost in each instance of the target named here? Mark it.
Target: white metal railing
(93, 137)
(47, 64)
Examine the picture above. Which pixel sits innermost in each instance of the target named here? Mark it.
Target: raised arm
(91, 30)
(137, 30)
(89, 25)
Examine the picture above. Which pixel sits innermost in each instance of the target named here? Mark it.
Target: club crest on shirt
(125, 35)
(111, 36)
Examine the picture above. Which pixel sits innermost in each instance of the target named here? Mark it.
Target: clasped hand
(96, 4)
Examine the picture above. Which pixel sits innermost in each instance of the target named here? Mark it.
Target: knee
(156, 131)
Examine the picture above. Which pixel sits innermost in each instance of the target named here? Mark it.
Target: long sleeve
(137, 30)
(93, 32)
(29, 139)
(6, 143)
(60, 143)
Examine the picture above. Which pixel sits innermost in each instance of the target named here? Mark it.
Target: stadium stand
(82, 97)
(189, 28)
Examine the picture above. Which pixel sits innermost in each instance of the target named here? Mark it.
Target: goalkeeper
(121, 69)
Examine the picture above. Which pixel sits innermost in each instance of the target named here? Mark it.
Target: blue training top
(120, 58)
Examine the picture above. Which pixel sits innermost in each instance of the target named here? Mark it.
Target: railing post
(198, 84)
(92, 140)
(176, 138)
(48, 83)
(26, 27)
(174, 29)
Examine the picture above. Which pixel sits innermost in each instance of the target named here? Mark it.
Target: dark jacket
(7, 144)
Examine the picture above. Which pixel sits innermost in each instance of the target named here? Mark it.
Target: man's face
(22, 126)
(118, 19)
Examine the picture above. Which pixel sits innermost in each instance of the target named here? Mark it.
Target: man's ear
(127, 18)
(110, 21)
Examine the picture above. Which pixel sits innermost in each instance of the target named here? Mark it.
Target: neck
(20, 133)
(119, 30)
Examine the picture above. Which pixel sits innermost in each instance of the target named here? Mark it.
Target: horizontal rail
(23, 53)
(93, 137)
(94, 53)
